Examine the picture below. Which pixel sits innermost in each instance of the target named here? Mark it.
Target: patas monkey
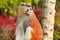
(23, 20)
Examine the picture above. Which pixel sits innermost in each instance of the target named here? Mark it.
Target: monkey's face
(27, 8)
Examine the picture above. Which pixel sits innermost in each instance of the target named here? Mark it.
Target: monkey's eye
(27, 10)
(23, 5)
(28, 5)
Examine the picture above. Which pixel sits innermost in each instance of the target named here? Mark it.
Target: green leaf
(56, 35)
(57, 22)
(28, 1)
(36, 1)
(5, 11)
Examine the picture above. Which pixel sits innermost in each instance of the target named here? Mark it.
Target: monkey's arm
(28, 33)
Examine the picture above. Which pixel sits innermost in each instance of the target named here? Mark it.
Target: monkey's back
(37, 29)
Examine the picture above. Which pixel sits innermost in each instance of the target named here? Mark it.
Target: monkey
(23, 21)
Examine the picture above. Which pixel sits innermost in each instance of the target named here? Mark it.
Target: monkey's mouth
(29, 13)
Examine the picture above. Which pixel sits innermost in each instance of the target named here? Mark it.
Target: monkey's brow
(28, 5)
(25, 5)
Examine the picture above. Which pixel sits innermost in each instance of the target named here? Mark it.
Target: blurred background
(57, 21)
(8, 17)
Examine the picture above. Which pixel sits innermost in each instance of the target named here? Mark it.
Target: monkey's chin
(30, 13)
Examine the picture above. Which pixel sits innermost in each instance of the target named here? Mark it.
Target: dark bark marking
(50, 12)
(45, 34)
(44, 17)
(52, 2)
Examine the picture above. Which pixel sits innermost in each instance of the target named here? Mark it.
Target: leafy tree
(35, 3)
(8, 5)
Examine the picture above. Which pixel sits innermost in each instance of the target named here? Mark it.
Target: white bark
(48, 19)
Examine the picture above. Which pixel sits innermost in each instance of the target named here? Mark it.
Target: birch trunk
(48, 19)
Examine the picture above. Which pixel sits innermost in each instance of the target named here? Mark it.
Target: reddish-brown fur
(37, 29)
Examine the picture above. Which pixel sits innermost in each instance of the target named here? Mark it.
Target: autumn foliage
(38, 13)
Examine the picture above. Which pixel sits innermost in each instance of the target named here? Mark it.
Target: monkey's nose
(29, 12)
